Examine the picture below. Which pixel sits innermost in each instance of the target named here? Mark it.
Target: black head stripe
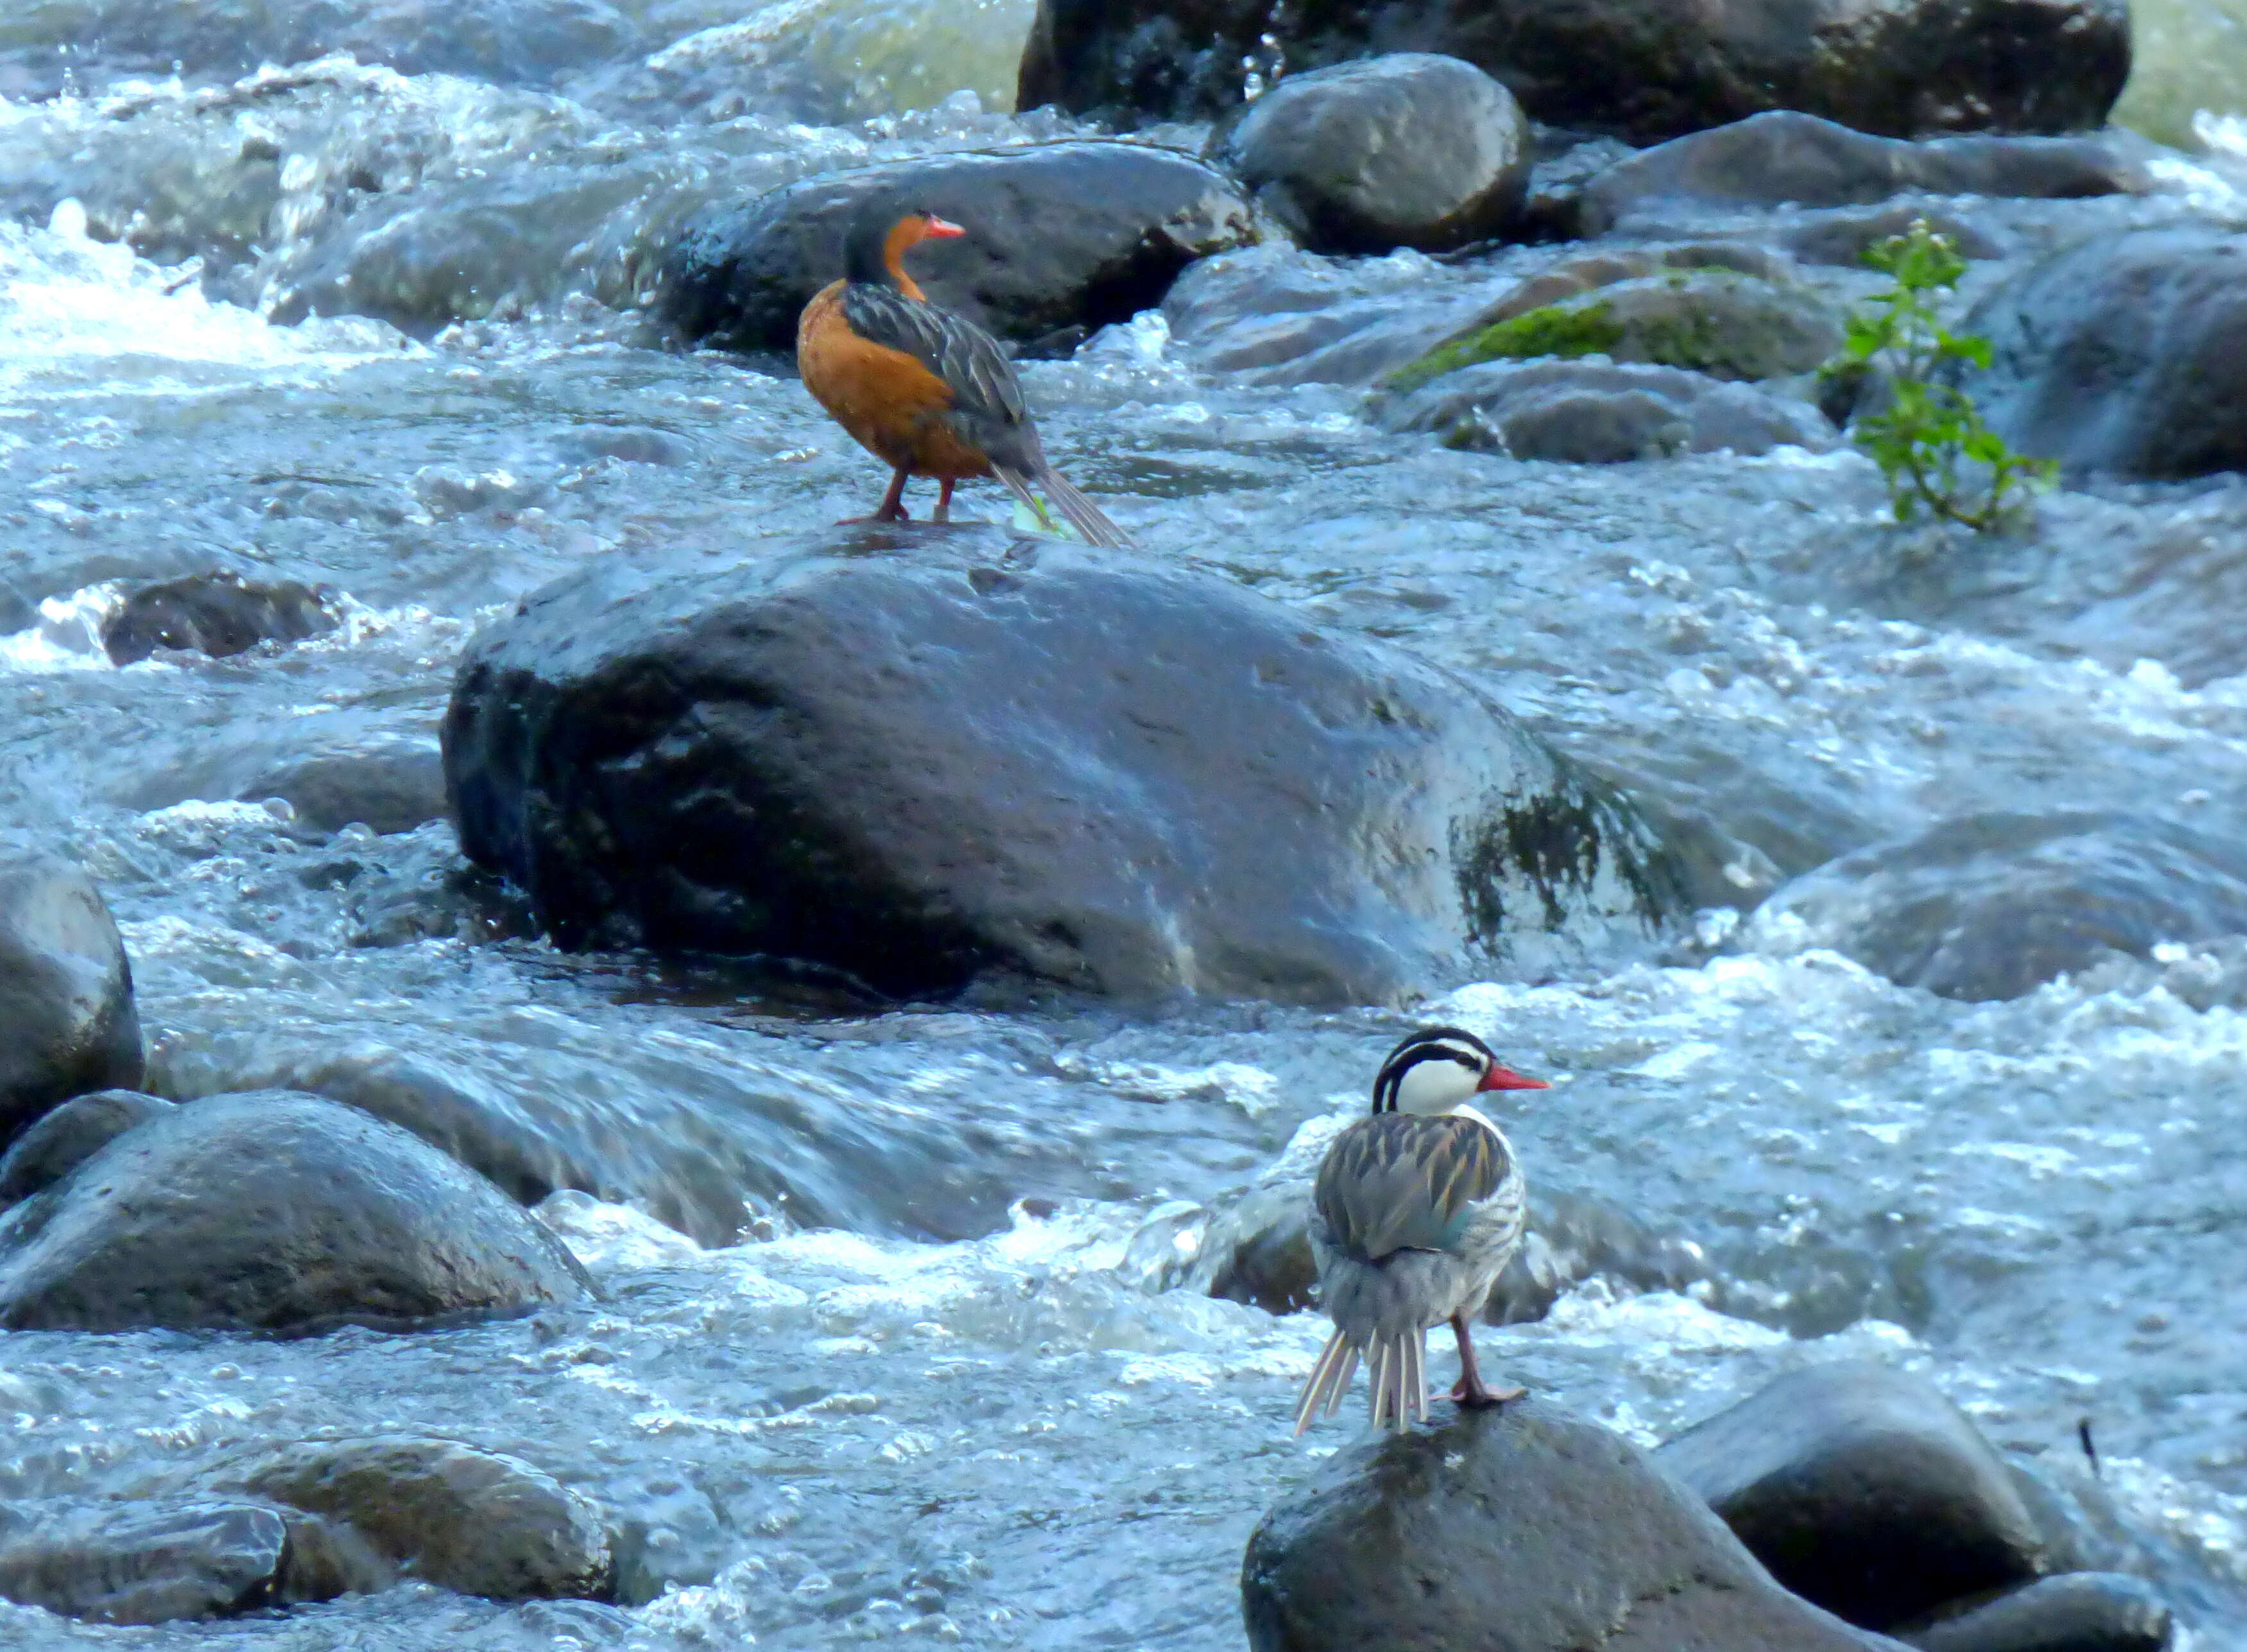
(1429, 1044)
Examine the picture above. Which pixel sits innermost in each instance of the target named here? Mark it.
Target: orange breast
(891, 405)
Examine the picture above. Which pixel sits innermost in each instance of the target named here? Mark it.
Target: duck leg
(892, 508)
(1469, 1390)
(943, 511)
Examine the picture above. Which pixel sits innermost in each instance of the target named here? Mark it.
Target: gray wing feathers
(1399, 1182)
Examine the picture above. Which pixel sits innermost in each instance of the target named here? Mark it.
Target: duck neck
(876, 258)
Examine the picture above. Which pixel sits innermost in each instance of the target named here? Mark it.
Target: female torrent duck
(925, 391)
(1417, 1209)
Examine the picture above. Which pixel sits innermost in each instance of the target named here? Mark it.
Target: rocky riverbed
(1872, 895)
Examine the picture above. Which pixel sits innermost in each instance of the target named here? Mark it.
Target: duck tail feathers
(1400, 1381)
(1082, 514)
(1328, 1380)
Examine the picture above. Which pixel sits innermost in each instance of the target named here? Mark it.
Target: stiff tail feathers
(1397, 1369)
(1082, 513)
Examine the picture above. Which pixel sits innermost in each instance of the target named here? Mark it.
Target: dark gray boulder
(1786, 158)
(217, 614)
(1598, 413)
(2124, 352)
(1645, 69)
(1862, 1489)
(1524, 1529)
(146, 1562)
(2080, 1612)
(72, 1133)
(1993, 906)
(272, 1210)
(479, 1522)
(1063, 238)
(65, 991)
(1406, 150)
(918, 756)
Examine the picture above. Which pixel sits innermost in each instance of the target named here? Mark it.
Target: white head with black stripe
(1441, 1069)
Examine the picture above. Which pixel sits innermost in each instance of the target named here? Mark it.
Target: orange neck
(905, 235)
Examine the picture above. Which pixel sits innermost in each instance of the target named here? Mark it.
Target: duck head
(1441, 1069)
(881, 237)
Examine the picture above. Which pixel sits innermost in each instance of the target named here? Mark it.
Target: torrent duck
(927, 393)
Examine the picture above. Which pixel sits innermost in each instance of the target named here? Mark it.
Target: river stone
(1862, 1489)
(1993, 906)
(1406, 150)
(1647, 70)
(2083, 1611)
(1063, 238)
(1785, 158)
(66, 1138)
(138, 1563)
(1519, 1529)
(2124, 352)
(65, 991)
(478, 1522)
(1596, 412)
(917, 756)
(215, 613)
(272, 1210)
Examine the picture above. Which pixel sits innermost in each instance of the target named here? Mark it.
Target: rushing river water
(876, 1392)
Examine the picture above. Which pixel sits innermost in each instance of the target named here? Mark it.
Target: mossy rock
(1717, 322)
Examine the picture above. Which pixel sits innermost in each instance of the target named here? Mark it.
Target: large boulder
(272, 1210)
(1408, 150)
(1862, 1489)
(916, 756)
(1993, 906)
(1646, 69)
(1063, 238)
(65, 991)
(2124, 352)
(1524, 1529)
(1788, 159)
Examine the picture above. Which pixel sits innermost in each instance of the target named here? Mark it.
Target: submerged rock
(1598, 413)
(2082, 1611)
(1646, 69)
(1993, 906)
(1406, 150)
(1788, 159)
(274, 1212)
(382, 772)
(216, 613)
(480, 1522)
(142, 1563)
(882, 753)
(66, 1139)
(1862, 1489)
(1524, 1529)
(65, 991)
(2123, 353)
(1063, 238)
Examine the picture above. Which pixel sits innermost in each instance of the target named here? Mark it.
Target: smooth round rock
(65, 991)
(141, 1562)
(217, 614)
(1406, 150)
(273, 1211)
(66, 1138)
(2080, 1612)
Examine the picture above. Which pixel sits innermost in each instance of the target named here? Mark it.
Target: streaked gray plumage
(1414, 1215)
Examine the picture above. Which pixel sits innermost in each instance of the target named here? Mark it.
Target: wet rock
(918, 758)
(217, 614)
(1063, 238)
(1644, 69)
(478, 1522)
(66, 1139)
(1406, 150)
(136, 1563)
(1597, 413)
(1722, 321)
(1844, 237)
(65, 991)
(381, 771)
(1993, 906)
(1526, 1529)
(2082, 1611)
(1862, 1489)
(275, 1211)
(2123, 353)
(1785, 158)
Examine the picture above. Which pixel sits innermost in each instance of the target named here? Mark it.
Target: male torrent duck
(1416, 1211)
(925, 391)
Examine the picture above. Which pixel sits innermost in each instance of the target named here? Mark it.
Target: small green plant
(1929, 441)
